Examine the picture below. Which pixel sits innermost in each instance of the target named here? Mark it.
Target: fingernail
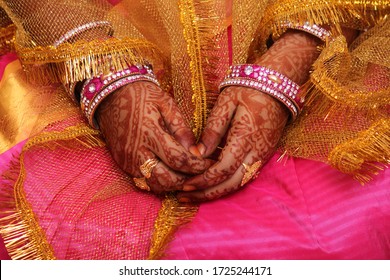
(188, 188)
(201, 148)
(194, 150)
(184, 199)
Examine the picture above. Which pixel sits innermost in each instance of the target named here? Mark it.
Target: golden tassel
(171, 216)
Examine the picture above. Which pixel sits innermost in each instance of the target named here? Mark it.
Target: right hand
(140, 122)
(252, 123)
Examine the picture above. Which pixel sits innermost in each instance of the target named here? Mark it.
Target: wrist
(267, 81)
(91, 93)
(292, 55)
(123, 94)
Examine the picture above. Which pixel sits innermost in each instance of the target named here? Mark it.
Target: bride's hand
(141, 122)
(252, 121)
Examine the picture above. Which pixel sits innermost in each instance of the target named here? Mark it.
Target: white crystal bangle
(82, 28)
(313, 29)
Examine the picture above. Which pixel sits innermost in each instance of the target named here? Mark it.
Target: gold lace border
(76, 62)
(366, 155)
(19, 226)
(354, 14)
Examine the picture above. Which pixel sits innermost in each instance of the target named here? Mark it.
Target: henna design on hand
(252, 120)
(138, 122)
(254, 123)
(292, 55)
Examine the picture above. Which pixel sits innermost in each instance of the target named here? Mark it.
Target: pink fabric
(83, 202)
(5, 60)
(300, 210)
(3, 251)
(88, 214)
(5, 158)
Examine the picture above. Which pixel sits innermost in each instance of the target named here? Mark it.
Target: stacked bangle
(95, 90)
(268, 81)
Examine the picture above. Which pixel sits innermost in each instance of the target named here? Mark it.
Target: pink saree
(298, 210)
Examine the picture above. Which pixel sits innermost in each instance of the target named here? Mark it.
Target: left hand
(140, 121)
(254, 122)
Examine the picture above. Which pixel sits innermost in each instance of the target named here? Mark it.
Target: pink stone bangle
(312, 29)
(82, 28)
(268, 81)
(95, 90)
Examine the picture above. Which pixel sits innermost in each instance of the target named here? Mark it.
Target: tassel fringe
(354, 14)
(76, 62)
(366, 155)
(171, 216)
(22, 236)
(19, 227)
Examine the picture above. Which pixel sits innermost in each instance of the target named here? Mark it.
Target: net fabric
(246, 17)
(40, 24)
(4, 19)
(192, 36)
(69, 198)
(57, 117)
(194, 31)
(7, 32)
(36, 28)
(87, 223)
(359, 15)
(346, 119)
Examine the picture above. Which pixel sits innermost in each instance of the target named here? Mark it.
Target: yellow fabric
(345, 121)
(171, 215)
(23, 106)
(14, 104)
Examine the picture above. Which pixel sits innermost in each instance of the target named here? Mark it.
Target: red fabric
(300, 210)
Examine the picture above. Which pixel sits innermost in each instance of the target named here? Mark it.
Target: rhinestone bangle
(95, 90)
(82, 28)
(312, 29)
(268, 81)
